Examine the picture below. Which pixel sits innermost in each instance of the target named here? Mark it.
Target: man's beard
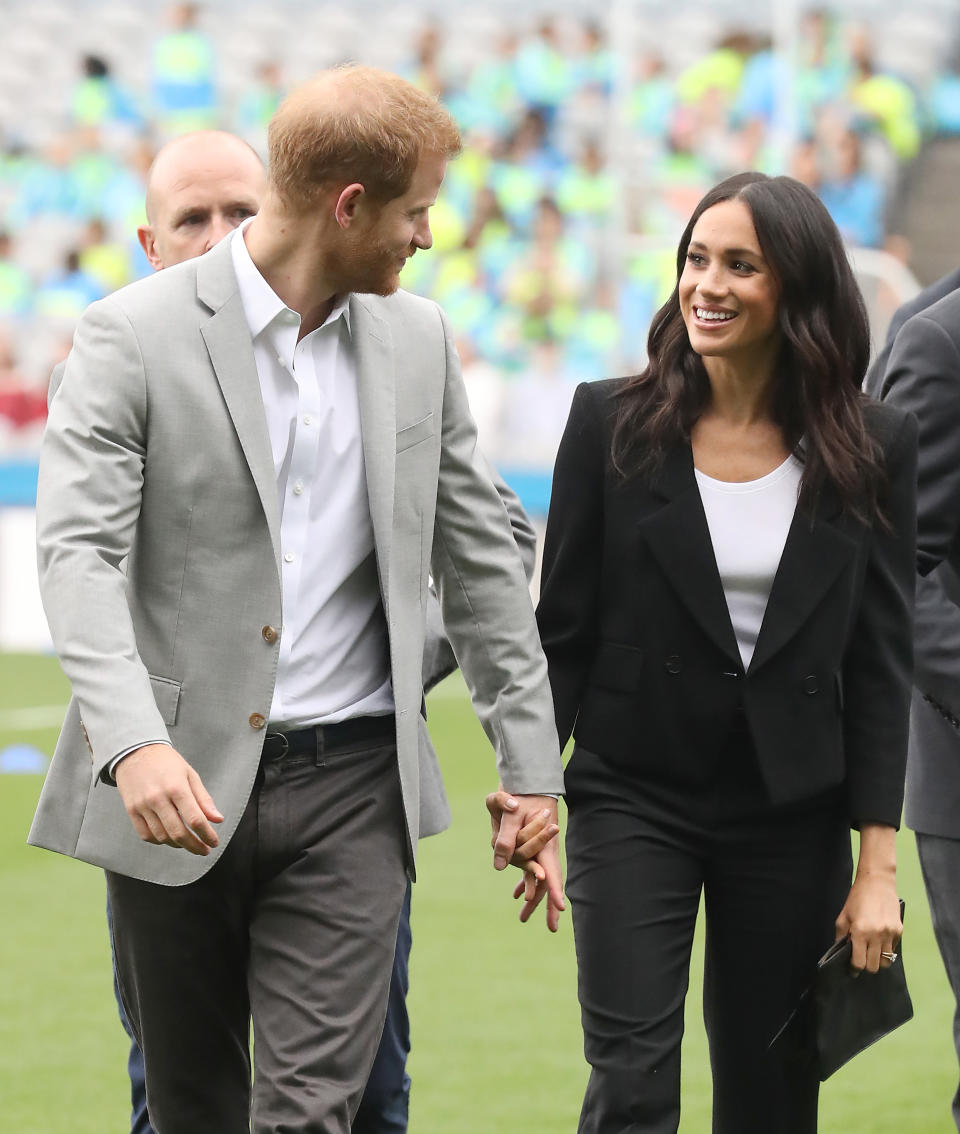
(371, 270)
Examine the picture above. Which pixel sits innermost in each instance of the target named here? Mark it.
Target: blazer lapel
(376, 382)
(678, 536)
(815, 553)
(227, 336)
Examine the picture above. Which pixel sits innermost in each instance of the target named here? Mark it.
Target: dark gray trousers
(940, 864)
(640, 855)
(294, 927)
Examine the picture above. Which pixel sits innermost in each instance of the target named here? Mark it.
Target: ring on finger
(891, 957)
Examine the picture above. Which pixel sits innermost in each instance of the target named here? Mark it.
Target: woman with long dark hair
(726, 612)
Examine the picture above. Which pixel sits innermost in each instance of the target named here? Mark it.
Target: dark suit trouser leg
(634, 891)
(940, 864)
(774, 881)
(772, 892)
(295, 924)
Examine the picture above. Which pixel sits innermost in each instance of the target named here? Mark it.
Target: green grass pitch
(496, 1040)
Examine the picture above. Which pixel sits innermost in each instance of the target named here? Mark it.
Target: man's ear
(349, 204)
(148, 243)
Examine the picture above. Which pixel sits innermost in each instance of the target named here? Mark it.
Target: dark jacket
(643, 658)
(920, 373)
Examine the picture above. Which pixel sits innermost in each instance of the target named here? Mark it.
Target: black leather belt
(319, 740)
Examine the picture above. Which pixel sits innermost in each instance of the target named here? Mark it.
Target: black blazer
(643, 658)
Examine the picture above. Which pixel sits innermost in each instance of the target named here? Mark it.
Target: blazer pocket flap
(411, 435)
(617, 667)
(167, 695)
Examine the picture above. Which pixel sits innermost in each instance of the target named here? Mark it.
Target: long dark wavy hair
(825, 347)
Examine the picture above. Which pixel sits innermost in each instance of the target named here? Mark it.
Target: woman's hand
(871, 913)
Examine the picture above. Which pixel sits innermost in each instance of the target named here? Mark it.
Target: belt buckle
(278, 736)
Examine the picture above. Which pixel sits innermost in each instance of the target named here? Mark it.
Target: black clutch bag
(843, 1012)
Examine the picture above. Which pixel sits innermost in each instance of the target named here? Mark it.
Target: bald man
(200, 188)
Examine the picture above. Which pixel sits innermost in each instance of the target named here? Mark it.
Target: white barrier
(22, 622)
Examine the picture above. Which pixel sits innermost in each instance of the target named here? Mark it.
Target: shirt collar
(261, 304)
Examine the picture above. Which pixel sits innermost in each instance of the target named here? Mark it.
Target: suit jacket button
(811, 685)
(258, 720)
(673, 664)
(269, 635)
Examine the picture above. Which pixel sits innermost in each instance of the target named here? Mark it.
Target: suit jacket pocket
(617, 667)
(411, 435)
(167, 695)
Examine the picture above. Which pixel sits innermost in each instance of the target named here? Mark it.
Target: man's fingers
(506, 840)
(191, 813)
(142, 828)
(178, 833)
(154, 825)
(204, 799)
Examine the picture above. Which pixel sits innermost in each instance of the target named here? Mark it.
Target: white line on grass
(36, 717)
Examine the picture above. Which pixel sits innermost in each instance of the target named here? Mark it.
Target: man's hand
(525, 830)
(166, 800)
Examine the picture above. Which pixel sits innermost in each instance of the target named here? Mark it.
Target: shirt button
(269, 635)
(673, 664)
(811, 685)
(307, 419)
(258, 720)
(298, 488)
(288, 558)
(281, 360)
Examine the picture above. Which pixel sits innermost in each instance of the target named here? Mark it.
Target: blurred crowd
(555, 231)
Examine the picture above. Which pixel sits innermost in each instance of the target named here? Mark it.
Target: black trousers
(773, 880)
(294, 926)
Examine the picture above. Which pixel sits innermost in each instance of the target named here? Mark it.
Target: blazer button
(258, 720)
(269, 635)
(673, 664)
(811, 685)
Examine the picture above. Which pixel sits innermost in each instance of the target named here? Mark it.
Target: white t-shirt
(748, 523)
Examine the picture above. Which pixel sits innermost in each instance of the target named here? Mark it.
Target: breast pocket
(414, 434)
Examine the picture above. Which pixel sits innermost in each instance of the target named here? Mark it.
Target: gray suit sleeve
(485, 603)
(88, 502)
(923, 377)
(438, 656)
(937, 640)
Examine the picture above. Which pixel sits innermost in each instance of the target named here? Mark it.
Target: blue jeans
(386, 1099)
(385, 1103)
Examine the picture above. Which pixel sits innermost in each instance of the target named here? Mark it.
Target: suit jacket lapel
(815, 553)
(376, 381)
(227, 336)
(678, 536)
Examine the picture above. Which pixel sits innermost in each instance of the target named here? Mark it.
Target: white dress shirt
(334, 656)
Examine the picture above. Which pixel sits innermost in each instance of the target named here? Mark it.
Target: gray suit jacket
(439, 660)
(919, 370)
(157, 452)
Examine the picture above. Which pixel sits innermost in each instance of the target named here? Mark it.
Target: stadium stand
(590, 133)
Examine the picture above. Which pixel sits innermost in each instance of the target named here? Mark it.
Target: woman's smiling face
(729, 297)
